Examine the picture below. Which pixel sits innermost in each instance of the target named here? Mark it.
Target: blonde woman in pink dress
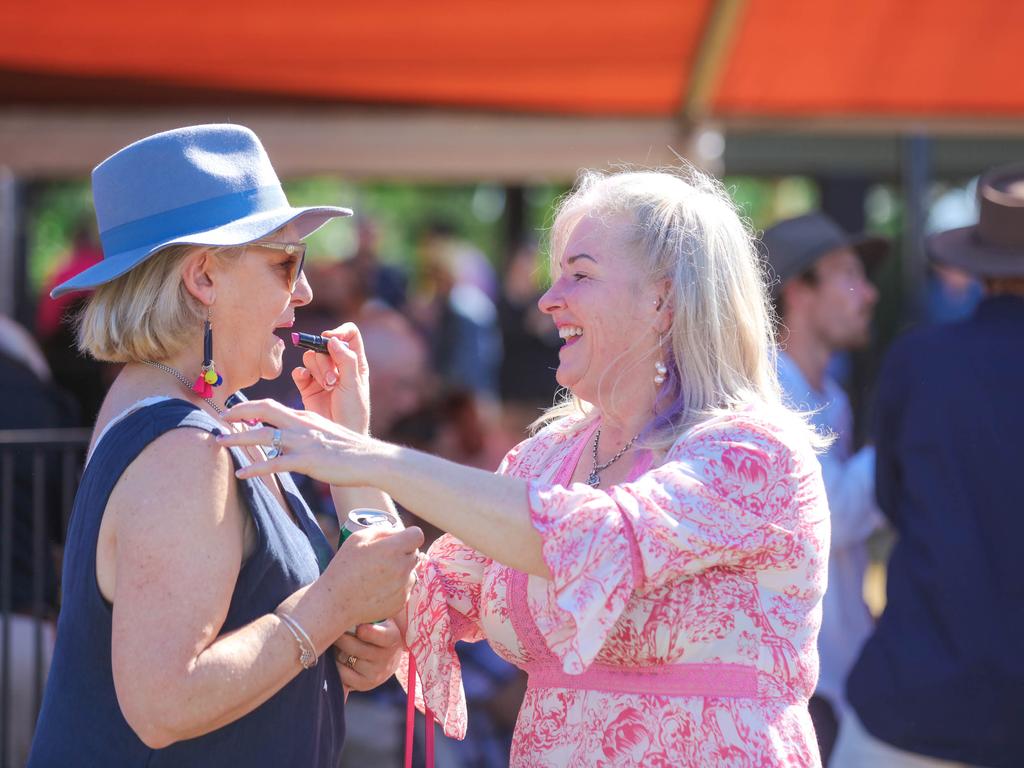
(655, 556)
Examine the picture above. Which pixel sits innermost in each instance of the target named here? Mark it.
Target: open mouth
(570, 334)
(283, 338)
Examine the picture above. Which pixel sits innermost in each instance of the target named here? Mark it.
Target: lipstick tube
(310, 341)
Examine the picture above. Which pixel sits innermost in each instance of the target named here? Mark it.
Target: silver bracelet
(307, 655)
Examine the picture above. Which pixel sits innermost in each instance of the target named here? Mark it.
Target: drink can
(360, 519)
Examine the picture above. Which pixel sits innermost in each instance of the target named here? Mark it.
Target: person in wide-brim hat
(794, 246)
(939, 680)
(994, 247)
(203, 618)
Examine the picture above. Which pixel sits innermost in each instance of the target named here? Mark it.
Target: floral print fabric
(706, 570)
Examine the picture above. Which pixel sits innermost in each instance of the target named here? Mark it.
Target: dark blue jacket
(943, 674)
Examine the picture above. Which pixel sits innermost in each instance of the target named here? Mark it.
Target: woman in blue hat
(203, 618)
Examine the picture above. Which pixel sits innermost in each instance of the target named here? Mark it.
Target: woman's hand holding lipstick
(335, 383)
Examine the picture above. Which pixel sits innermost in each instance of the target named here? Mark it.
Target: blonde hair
(683, 228)
(146, 313)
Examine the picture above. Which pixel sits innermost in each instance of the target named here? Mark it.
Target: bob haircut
(146, 313)
(682, 227)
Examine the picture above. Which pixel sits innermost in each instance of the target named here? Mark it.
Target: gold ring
(350, 662)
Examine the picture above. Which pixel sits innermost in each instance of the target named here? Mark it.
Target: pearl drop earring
(659, 377)
(659, 366)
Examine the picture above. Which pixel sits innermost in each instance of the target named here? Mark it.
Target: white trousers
(856, 748)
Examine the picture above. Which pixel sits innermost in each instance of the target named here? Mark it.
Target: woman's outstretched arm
(488, 512)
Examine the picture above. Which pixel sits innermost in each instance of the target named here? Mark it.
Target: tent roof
(933, 58)
(462, 88)
(567, 57)
(925, 58)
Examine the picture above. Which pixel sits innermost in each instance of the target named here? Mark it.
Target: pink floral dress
(679, 626)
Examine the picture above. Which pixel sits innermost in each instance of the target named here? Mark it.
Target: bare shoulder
(183, 476)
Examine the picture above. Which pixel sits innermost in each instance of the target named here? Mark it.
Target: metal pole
(39, 570)
(916, 174)
(7, 535)
(8, 242)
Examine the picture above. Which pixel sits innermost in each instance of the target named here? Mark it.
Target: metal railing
(39, 474)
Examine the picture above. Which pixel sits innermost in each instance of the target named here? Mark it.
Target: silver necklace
(184, 380)
(594, 479)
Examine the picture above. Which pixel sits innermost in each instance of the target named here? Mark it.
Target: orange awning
(513, 91)
(563, 57)
(927, 58)
(779, 58)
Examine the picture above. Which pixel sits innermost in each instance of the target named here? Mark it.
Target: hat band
(189, 219)
(1001, 226)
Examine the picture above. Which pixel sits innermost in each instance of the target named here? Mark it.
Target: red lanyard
(410, 720)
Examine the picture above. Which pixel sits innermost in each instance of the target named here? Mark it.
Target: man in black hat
(825, 303)
(941, 680)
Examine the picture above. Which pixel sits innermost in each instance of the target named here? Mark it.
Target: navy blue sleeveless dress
(81, 723)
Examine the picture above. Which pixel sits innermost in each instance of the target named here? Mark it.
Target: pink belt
(721, 679)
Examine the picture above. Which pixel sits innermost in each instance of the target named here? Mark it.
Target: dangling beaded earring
(208, 377)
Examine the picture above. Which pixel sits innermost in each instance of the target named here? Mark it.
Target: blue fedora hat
(200, 185)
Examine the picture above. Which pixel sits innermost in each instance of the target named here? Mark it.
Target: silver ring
(275, 446)
(350, 662)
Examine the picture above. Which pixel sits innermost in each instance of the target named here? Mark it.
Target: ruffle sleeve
(727, 496)
(444, 607)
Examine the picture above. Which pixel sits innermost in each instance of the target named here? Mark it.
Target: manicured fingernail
(251, 422)
(331, 379)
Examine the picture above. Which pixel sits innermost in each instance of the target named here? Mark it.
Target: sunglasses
(295, 269)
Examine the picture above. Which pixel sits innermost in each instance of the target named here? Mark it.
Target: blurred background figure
(456, 311)
(824, 305)
(18, 346)
(940, 682)
(530, 344)
(29, 399)
(469, 432)
(382, 281)
(86, 379)
(494, 692)
(952, 293)
(400, 375)
(469, 264)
